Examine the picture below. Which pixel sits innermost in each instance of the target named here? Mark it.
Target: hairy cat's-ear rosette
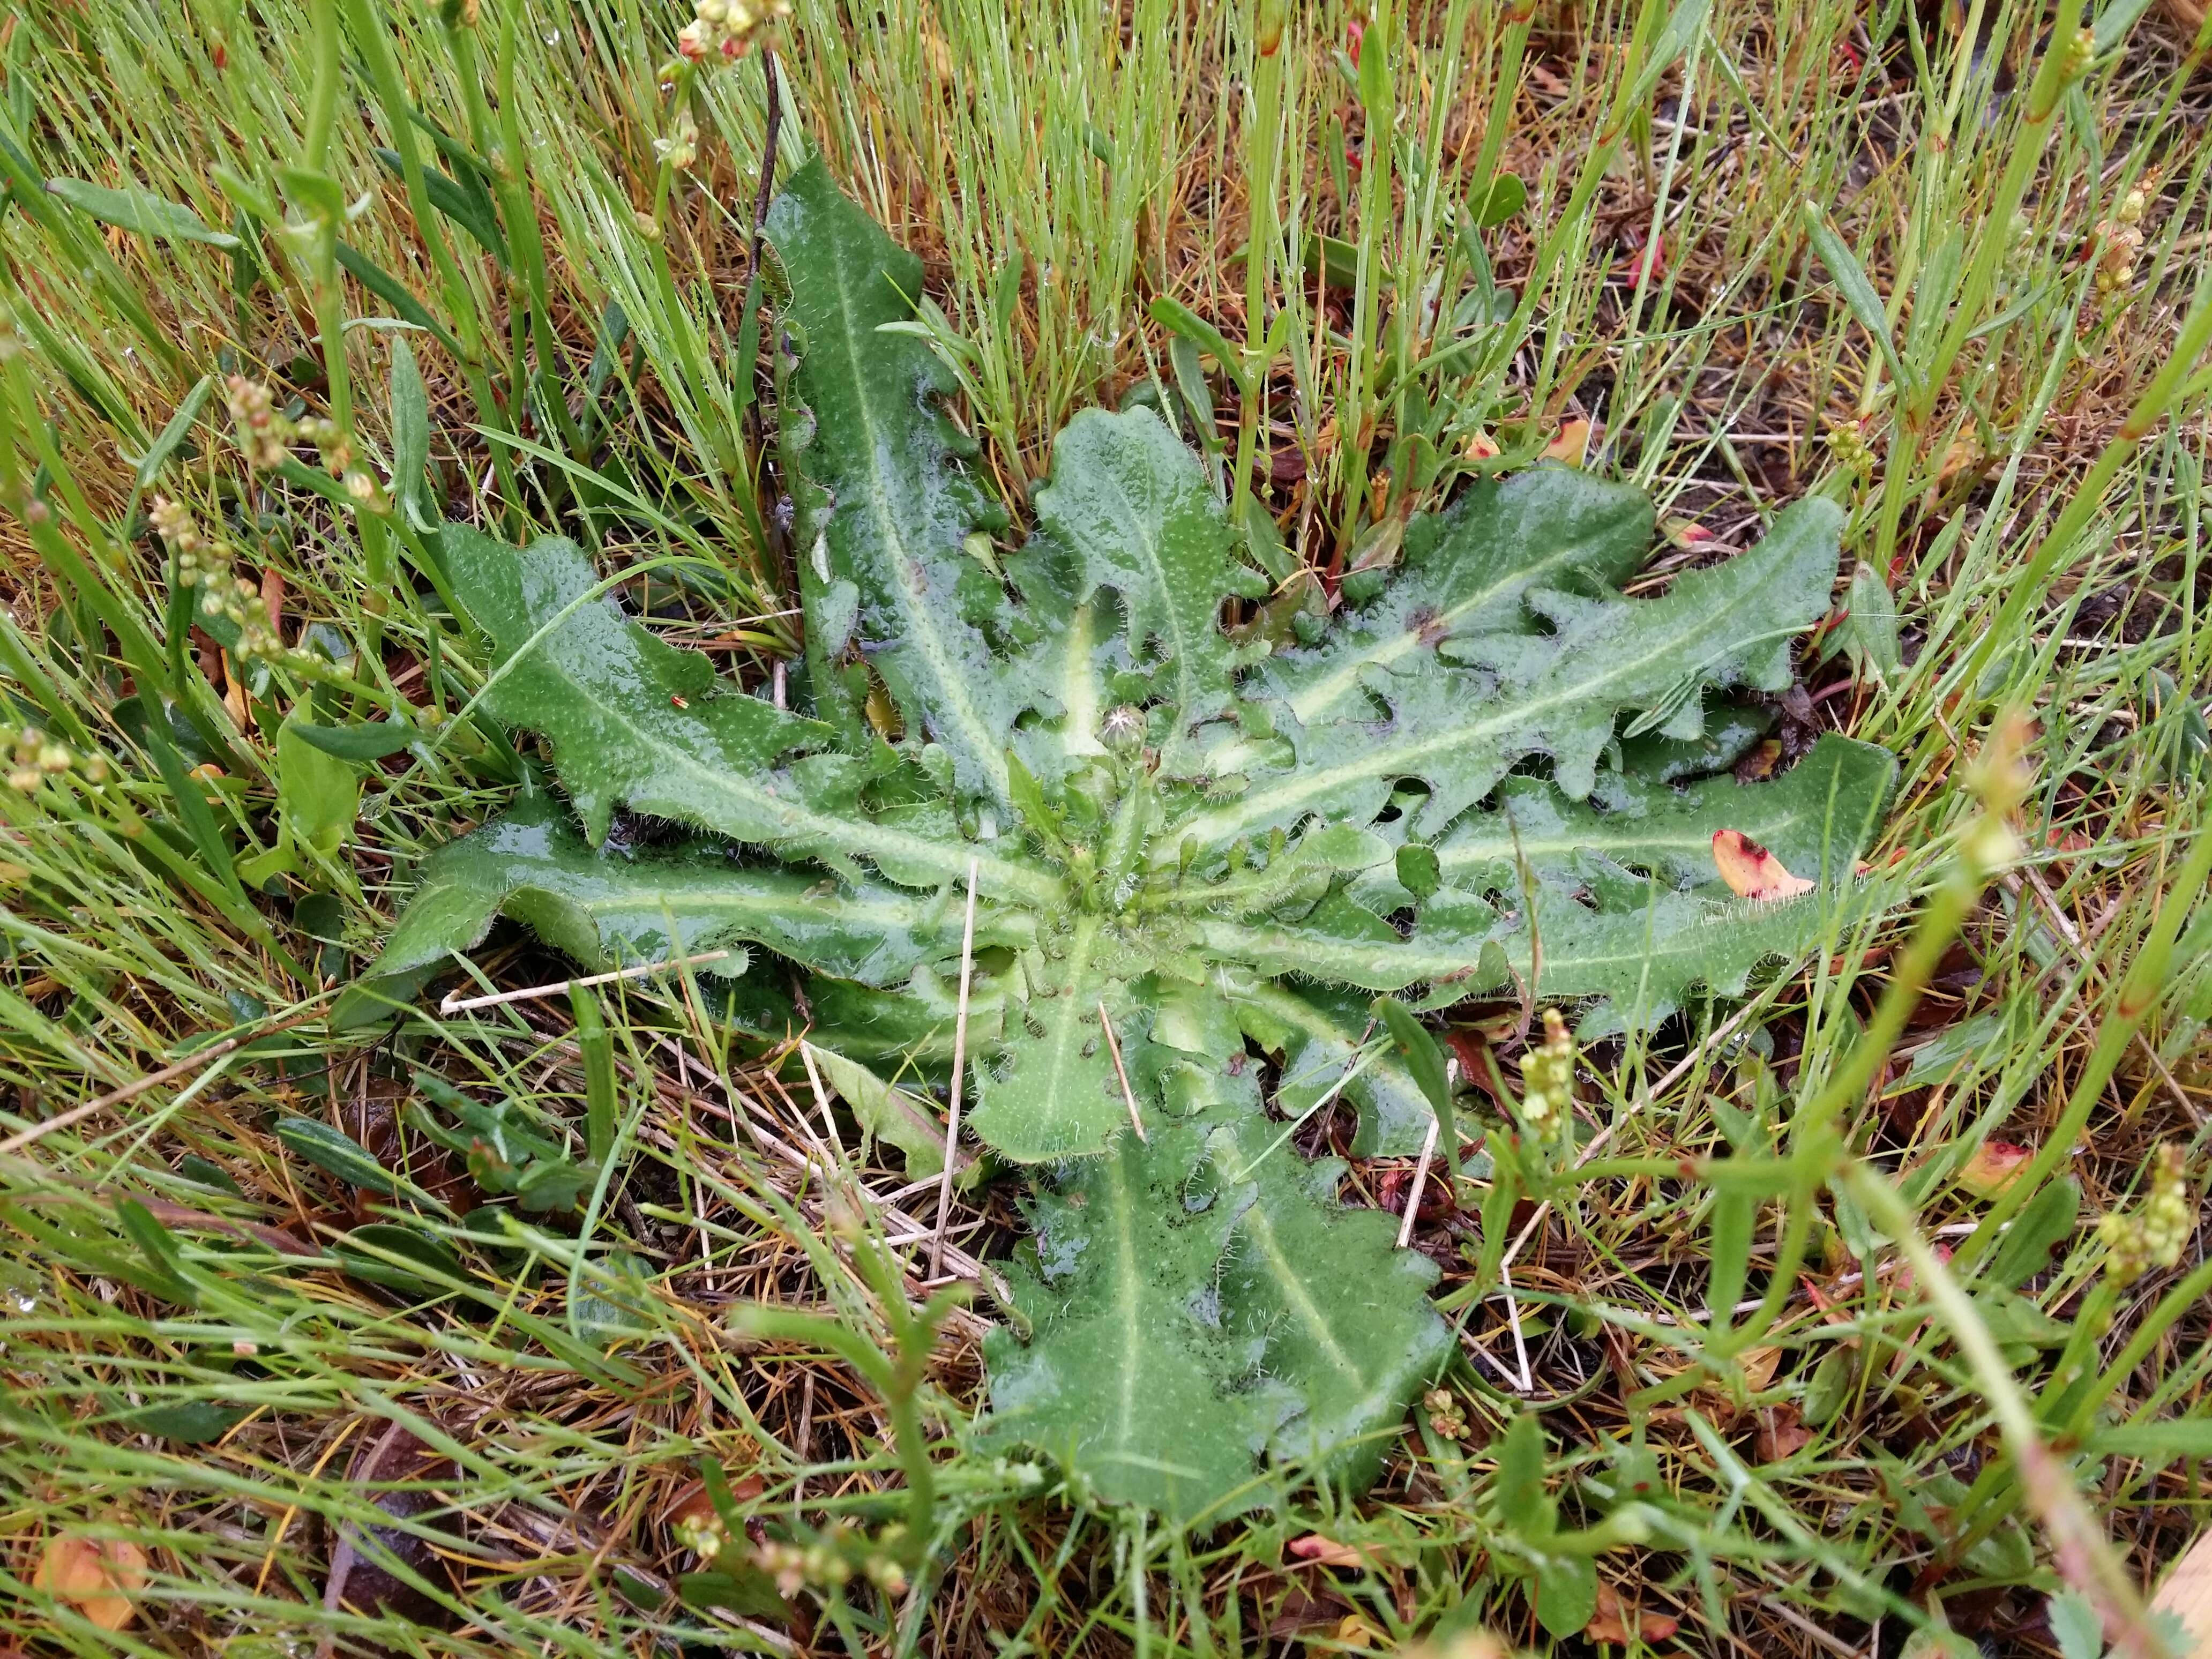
(1194, 862)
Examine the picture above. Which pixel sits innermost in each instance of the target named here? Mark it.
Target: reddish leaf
(1995, 1166)
(1781, 1433)
(1641, 265)
(1618, 1623)
(1572, 445)
(98, 1577)
(1751, 871)
(1318, 1551)
(1906, 1281)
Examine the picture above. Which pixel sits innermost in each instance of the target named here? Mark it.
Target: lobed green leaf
(606, 911)
(1205, 1312)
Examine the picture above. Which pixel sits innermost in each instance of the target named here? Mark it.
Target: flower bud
(1446, 1415)
(2156, 1235)
(2081, 53)
(175, 527)
(1122, 731)
(1990, 847)
(1547, 1079)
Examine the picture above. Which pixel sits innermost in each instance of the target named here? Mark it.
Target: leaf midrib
(1398, 756)
(1166, 615)
(1067, 1020)
(1129, 1303)
(1598, 838)
(723, 895)
(1239, 941)
(921, 626)
(833, 831)
(1324, 693)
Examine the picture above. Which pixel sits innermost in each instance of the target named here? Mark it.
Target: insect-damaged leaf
(1465, 572)
(1318, 1030)
(630, 720)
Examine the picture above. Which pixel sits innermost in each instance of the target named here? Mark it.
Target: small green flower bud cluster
(681, 148)
(1847, 443)
(702, 1532)
(262, 432)
(2156, 1235)
(829, 1560)
(205, 564)
(1446, 1415)
(199, 559)
(727, 27)
(34, 758)
(2119, 240)
(1548, 1080)
(2081, 53)
(266, 435)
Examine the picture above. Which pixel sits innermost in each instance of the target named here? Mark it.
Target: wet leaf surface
(1490, 772)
